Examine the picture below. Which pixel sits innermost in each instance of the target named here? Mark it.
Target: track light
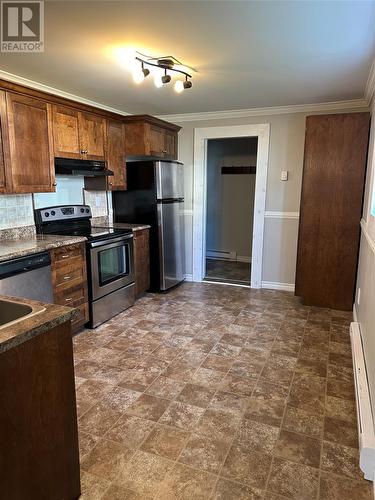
(188, 84)
(164, 64)
(166, 78)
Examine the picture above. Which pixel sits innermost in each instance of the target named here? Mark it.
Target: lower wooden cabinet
(141, 261)
(38, 434)
(69, 277)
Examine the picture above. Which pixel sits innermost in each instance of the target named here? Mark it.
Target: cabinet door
(141, 261)
(116, 155)
(170, 145)
(157, 147)
(4, 187)
(66, 132)
(92, 130)
(30, 144)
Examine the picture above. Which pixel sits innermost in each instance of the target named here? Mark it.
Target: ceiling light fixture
(168, 65)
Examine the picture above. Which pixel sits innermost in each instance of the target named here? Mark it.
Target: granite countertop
(50, 316)
(12, 248)
(125, 225)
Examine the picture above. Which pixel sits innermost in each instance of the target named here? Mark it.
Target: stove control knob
(87, 210)
(82, 210)
(46, 214)
(53, 212)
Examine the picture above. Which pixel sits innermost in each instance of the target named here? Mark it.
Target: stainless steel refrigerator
(155, 196)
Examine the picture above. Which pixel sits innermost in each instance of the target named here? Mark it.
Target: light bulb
(179, 86)
(157, 81)
(138, 76)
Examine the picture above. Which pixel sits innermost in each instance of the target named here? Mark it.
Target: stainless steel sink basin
(12, 311)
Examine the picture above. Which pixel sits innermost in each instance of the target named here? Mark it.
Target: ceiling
(248, 54)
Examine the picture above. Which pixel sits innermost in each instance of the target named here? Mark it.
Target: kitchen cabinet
(141, 261)
(30, 145)
(149, 136)
(116, 155)
(3, 172)
(69, 278)
(78, 134)
(331, 208)
(38, 415)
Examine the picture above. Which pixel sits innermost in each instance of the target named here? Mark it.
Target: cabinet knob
(84, 152)
(54, 184)
(110, 183)
(164, 151)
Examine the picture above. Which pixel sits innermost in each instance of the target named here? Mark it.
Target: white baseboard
(274, 285)
(355, 316)
(188, 277)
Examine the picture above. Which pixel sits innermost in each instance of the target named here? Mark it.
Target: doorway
(231, 176)
(201, 138)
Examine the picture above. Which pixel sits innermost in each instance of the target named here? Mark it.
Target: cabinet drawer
(69, 276)
(71, 297)
(64, 254)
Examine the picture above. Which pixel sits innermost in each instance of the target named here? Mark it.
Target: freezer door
(169, 180)
(171, 243)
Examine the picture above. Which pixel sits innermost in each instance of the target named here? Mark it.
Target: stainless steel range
(109, 253)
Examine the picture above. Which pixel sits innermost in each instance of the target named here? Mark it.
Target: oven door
(111, 264)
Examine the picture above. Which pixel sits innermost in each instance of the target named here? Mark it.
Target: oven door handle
(95, 244)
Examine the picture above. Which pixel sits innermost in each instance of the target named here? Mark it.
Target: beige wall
(365, 299)
(287, 133)
(230, 198)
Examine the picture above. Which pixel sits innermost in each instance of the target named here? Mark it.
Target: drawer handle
(67, 277)
(69, 299)
(65, 256)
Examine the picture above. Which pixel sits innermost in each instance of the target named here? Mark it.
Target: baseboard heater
(364, 413)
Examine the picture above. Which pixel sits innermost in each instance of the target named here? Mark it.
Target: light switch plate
(284, 175)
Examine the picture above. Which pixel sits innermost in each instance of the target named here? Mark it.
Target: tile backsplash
(16, 210)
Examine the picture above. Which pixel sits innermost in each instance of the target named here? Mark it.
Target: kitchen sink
(12, 311)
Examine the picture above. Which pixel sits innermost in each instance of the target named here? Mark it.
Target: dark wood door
(30, 144)
(331, 207)
(116, 155)
(92, 129)
(66, 132)
(141, 261)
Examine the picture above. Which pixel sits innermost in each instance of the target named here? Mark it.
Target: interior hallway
(228, 271)
(213, 392)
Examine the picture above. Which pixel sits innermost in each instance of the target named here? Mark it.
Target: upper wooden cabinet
(78, 134)
(149, 136)
(116, 155)
(30, 145)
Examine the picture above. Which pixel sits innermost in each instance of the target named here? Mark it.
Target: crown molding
(10, 77)
(353, 104)
(370, 84)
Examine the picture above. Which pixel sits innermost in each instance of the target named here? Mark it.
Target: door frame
(201, 136)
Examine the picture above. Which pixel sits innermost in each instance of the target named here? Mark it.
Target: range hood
(86, 168)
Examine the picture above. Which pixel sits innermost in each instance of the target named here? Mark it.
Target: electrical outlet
(359, 296)
(284, 175)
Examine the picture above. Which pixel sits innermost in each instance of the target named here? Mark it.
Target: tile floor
(228, 271)
(212, 392)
